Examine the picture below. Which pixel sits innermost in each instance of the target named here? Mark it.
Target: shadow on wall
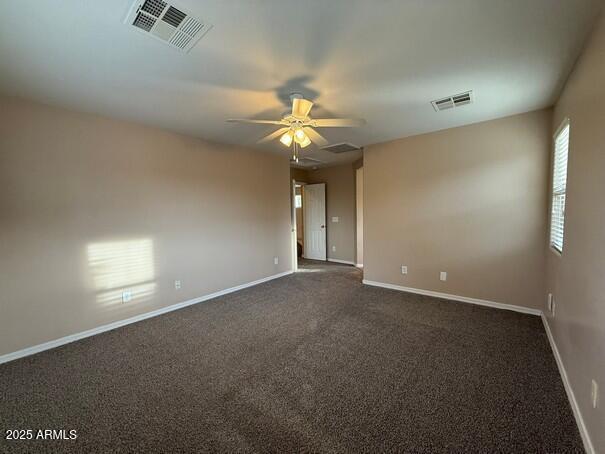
(122, 271)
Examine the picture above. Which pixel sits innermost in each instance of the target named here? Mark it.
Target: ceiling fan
(299, 128)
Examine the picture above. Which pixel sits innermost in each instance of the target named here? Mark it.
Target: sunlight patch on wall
(122, 266)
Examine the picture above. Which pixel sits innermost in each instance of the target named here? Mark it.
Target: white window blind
(559, 186)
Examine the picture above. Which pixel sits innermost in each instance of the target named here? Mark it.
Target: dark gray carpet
(313, 362)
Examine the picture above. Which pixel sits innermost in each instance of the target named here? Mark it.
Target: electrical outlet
(404, 269)
(443, 276)
(549, 302)
(177, 285)
(275, 260)
(126, 296)
(333, 248)
(335, 219)
(594, 393)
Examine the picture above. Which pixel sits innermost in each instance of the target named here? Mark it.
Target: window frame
(566, 123)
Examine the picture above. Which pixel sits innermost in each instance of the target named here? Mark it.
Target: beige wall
(577, 277)
(90, 206)
(340, 202)
(470, 201)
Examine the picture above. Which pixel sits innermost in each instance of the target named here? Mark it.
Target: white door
(314, 205)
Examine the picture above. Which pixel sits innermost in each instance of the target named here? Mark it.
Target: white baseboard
(463, 299)
(91, 332)
(346, 262)
(568, 389)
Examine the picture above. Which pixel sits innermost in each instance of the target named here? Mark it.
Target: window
(298, 200)
(559, 186)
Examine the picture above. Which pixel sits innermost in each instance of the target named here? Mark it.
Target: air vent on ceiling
(166, 22)
(306, 162)
(458, 100)
(340, 148)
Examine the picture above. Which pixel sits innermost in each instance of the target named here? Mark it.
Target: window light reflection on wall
(120, 268)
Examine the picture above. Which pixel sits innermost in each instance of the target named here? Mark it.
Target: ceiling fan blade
(301, 107)
(315, 137)
(338, 122)
(273, 135)
(262, 122)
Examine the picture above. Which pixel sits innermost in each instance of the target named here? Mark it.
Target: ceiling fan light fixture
(286, 138)
(298, 127)
(305, 142)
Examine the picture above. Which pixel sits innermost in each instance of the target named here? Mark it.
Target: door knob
(323, 226)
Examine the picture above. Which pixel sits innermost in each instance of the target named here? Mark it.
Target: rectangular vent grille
(450, 102)
(153, 7)
(143, 21)
(180, 40)
(191, 26)
(306, 162)
(174, 17)
(340, 148)
(166, 23)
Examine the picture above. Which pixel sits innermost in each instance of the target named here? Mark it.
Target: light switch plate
(443, 276)
(335, 219)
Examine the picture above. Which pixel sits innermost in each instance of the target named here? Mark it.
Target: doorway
(359, 217)
(309, 239)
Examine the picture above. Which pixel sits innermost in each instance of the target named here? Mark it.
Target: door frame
(294, 236)
(359, 175)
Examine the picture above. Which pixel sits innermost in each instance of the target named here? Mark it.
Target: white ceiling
(381, 60)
